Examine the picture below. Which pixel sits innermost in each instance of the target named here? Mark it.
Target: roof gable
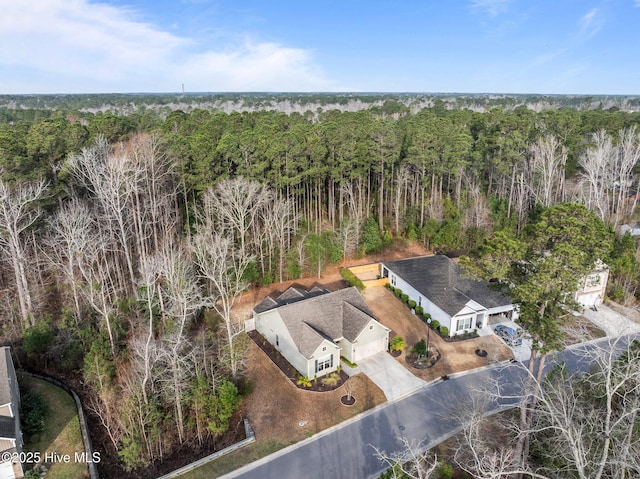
(327, 316)
(290, 295)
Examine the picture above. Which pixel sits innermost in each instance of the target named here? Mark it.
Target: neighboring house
(593, 287)
(437, 284)
(312, 329)
(10, 434)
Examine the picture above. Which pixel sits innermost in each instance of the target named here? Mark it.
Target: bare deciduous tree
(411, 462)
(184, 299)
(585, 426)
(222, 265)
(235, 204)
(70, 240)
(112, 180)
(18, 212)
(546, 170)
(279, 222)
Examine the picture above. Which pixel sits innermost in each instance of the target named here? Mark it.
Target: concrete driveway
(522, 352)
(611, 322)
(390, 376)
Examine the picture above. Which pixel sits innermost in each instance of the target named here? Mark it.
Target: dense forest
(127, 238)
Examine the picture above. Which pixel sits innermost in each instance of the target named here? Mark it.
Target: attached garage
(372, 339)
(590, 299)
(364, 350)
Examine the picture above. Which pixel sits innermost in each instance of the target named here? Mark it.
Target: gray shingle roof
(335, 315)
(441, 280)
(291, 295)
(5, 359)
(7, 427)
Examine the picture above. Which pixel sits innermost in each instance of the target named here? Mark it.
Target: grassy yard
(61, 434)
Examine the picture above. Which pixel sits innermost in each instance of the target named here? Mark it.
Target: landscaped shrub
(349, 363)
(405, 298)
(435, 324)
(33, 411)
(351, 279)
(444, 331)
(412, 304)
(398, 292)
(331, 379)
(303, 381)
(419, 309)
(420, 348)
(396, 344)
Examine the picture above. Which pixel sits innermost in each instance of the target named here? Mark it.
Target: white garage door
(589, 299)
(367, 349)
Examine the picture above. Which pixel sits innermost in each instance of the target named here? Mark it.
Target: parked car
(508, 335)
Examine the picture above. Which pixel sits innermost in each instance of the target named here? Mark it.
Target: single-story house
(592, 288)
(437, 284)
(312, 329)
(10, 433)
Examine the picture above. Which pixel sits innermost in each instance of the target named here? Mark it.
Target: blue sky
(471, 46)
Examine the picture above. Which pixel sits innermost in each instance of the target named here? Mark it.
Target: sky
(430, 46)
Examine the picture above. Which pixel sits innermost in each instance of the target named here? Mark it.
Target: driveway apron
(390, 376)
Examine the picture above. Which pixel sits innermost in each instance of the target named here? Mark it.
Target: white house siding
(346, 349)
(591, 294)
(326, 350)
(436, 313)
(374, 338)
(270, 325)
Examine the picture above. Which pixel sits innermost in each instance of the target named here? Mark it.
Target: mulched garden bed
(291, 372)
(460, 337)
(424, 362)
(348, 401)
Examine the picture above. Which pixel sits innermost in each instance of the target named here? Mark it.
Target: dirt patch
(578, 329)
(330, 278)
(278, 410)
(455, 356)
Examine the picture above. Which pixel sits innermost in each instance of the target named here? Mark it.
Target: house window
(277, 340)
(371, 328)
(419, 300)
(324, 348)
(463, 323)
(324, 363)
(393, 279)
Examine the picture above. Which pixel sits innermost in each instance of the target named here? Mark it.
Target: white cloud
(492, 7)
(637, 3)
(74, 45)
(591, 22)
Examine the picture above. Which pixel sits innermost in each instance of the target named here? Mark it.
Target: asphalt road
(428, 416)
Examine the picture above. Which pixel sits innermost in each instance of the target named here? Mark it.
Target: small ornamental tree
(420, 348)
